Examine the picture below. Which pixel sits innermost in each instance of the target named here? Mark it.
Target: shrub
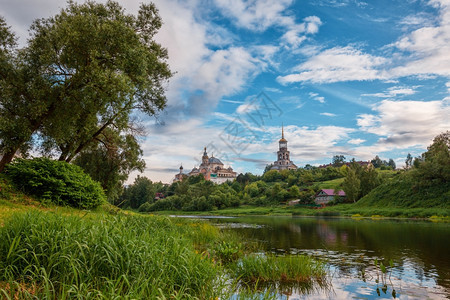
(56, 181)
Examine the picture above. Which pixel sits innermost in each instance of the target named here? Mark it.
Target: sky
(347, 77)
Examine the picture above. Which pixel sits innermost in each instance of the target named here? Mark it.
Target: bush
(56, 181)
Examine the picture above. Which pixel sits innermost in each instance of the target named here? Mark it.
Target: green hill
(405, 192)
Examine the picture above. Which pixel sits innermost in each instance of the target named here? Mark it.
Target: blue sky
(344, 77)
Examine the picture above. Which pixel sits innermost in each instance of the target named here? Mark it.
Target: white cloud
(428, 48)
(273, 90)
(262, 14)
(316, 97)
(247, 108)
(256, 15)
(305, 143)
(338, 64)
(402, 124)
(296, 34)
(356, 141)
(328, 114)
(394, 91)
(424, 52)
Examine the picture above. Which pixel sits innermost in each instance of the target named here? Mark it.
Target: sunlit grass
(289, 269)
(105, 256)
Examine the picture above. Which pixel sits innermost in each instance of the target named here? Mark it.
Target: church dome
(282, 140)
(213, 160)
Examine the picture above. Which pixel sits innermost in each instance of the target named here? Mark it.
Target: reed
(280, 269)
(51, 256)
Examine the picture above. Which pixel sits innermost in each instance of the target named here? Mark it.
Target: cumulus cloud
(260, 15)
(424, 52)
(256, 15)
(338, 64)
(296, 34)
(306, 143)
(402, 124)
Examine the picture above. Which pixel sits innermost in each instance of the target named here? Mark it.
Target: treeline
(271, 188)
(197, 194)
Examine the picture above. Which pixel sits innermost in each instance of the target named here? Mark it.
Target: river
(416, 253)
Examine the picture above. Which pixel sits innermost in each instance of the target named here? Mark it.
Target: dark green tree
(111, 161)
(434, 167)
(83, 71)
(408, 161)
(392, 164)
(140, 192)
(338, 160)
(377, 162)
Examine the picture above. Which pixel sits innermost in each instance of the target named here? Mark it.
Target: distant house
(326, 195)
(159, 196)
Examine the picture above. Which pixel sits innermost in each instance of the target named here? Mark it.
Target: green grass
(284, 270)
(60, 253)
(405, 192)
(330, 184)
(47, 255)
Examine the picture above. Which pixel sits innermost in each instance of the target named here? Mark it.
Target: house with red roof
(324, 196)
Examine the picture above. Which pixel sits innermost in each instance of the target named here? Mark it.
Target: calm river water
(419, 250)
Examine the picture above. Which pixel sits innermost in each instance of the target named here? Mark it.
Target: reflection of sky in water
(409, 281)
(420, 265)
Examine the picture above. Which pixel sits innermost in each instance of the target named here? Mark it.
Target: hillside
(404, 192)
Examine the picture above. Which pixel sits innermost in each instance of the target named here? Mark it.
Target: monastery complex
(213, 169)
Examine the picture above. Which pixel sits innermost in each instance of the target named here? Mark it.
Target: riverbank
(60, 252)
(341, 210)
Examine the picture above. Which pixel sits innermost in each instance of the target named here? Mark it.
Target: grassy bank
(51, 252)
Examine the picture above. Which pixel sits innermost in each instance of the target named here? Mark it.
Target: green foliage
(140, 192)
(435, 166)
(84, 70)
(228, 251)
(427, 184)
(351, 185)
(111, 257)
(59, 182)
(272, 176)
(338, 160)
(404, 191)
(111, 161)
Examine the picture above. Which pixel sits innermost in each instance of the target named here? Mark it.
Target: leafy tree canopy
(83, 71)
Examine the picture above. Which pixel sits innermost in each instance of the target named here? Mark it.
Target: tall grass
(280, 269)
(49, 256)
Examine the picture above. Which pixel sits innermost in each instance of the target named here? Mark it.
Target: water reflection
(418, 250)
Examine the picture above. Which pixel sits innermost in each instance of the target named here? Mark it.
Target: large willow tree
(83, 71)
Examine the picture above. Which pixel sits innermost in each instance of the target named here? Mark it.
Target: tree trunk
(6, 159)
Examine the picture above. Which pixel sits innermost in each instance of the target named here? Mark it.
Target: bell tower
(205, 158)
(283, 161)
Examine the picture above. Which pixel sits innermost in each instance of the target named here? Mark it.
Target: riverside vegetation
(52, 252)
(422, 190)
